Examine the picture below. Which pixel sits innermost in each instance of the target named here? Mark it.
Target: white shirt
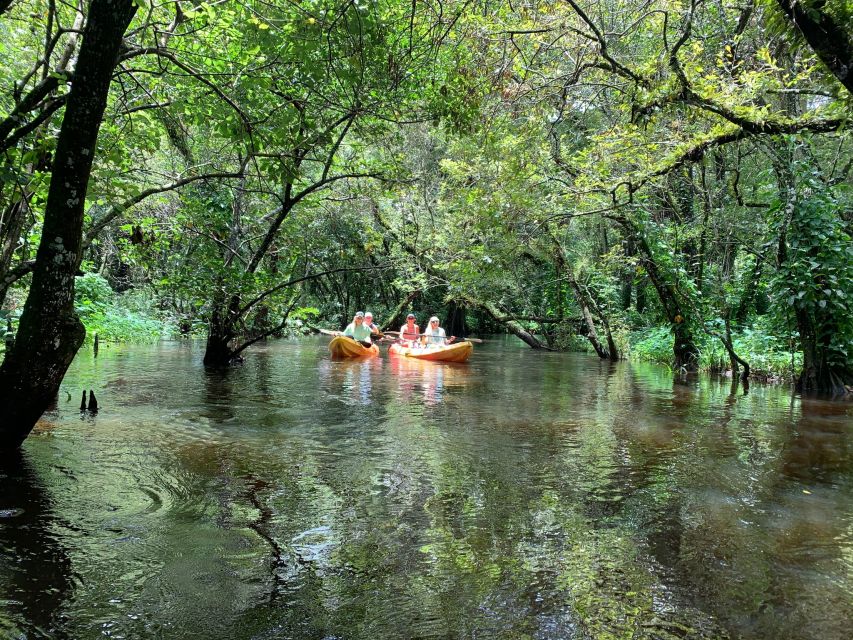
(435, 336)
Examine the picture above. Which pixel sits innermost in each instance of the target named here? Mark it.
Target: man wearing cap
(434, 335)
(410, 332)
(368, 322)
(358, 331)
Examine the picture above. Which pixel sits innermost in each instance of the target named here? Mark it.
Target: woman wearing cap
(434, 335)
(410, 332)
(358, 330)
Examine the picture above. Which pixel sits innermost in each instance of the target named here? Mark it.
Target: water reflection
(519, 495)
(36, 576)
(427, 382)
(218, 401)
(350, 380)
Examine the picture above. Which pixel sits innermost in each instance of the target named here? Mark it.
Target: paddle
(397, 333)
(326, 332)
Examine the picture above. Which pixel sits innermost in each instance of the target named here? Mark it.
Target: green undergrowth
(768, 356)
(114, 317)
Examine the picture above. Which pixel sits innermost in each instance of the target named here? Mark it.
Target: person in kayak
(368, 322)
(358, 330)
(434, 335)
(410, 332)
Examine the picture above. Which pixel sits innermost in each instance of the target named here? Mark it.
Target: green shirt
(360, 333)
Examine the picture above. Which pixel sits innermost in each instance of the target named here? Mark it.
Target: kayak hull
(458, 352)
(343, 347)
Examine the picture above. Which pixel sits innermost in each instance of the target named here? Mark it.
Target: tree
(825, 25)
(50, 332)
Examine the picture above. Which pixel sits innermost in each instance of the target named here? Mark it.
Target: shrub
(102, 311)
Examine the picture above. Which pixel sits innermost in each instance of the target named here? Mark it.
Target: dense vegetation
(663, 179)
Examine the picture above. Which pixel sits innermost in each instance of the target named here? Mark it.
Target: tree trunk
(50, 331)
(685, 351)
(11, 226)
(628, 274)
(612, 350)
(749, 289)
(591, 333)
(219, 351)
(734, 358)
(455, 325)
(511, 325)
(828, 39)
(12, 223)
(395, 320)
(818, 374)
(815, 326)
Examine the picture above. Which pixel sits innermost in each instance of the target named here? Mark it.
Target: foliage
(769, 356)
(653, 345)
(816, 279)
(114, 317)
(619, 159)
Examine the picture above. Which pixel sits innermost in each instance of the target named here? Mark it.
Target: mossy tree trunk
(515, 328)
(685, 351)
(50, 331)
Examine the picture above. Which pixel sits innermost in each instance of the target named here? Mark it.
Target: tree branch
(115, 211)
(295, 281)
(615, 66)
(168, 55)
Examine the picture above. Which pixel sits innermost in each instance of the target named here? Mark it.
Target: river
(521, 495)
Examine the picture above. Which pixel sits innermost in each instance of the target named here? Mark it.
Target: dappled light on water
(519, 495)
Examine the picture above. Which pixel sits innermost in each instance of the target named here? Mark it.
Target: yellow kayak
(458, 352)
(342, 347)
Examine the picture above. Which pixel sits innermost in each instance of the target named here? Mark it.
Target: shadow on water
(36, 578)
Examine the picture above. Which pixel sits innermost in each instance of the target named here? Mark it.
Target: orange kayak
(342, 347)
(458, 352)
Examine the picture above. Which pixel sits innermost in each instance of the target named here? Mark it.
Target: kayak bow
(343, 347)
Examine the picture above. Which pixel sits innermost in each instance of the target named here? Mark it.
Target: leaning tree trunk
(511, 325)
(591, 332)
(50, 331)
(564, 268)
(827, 37)
(400, 311)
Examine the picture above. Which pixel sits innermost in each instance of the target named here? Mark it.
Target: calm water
(523, 495)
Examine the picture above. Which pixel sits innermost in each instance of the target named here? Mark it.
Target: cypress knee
(93, 402)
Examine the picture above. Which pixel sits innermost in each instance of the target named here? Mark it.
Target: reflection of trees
(35, 570)
(218, 393)
(261, 366)
(718, 510)
(565, 498)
